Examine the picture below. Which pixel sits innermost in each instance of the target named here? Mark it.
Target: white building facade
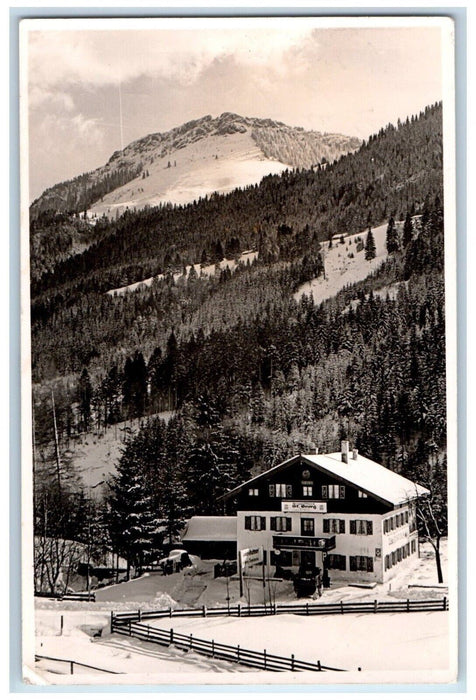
(343, 513)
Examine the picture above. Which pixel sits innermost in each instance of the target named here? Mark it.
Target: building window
(282, 559)
(362, 494)
(281, 524)
(307, 490)
(361, 527)
(336, 561)
(333, 525)
(387, 562)
(255, 522)
(253, 492)
(280, 490)
(333, 491)
(413, 546)
(361, 564)
(307, 526)
(406, 517)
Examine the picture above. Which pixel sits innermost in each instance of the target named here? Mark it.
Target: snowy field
(384, 646)
(341, 269)
(215, 164)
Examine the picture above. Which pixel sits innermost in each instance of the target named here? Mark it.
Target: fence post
(112, 621)
(408, 605)
(191, 642)
(238, 653)
(213, 648)
(319, 665)
(375, 606)
(139, 615)
(264, 658)
(171, 636)
(342, 607)
(170, 611)
(129, 628)
(204, 608)
(71, 667)
(61, 627)
(148, 631)
(444, 602)
(239, 609)
(292, 662)
(307, 608)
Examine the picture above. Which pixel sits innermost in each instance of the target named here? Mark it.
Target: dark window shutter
(272, 490)
(263, 524)
(288, 524)
(265, 556)
(341, 491)
(353, 531)
(325, 524)
(289, 490)
(342, 527)
(247, 522)
(370, 564)
(353, 563)
(343, 562)
(369, 527)
(324, 491)
(273, 524)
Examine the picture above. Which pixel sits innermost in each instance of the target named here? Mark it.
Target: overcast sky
(351, 81)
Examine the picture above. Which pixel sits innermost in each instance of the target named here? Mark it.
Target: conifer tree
(407, 230)
(392, 236)
(370, 249)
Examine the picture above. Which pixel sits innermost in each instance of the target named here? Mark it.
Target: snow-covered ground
(384, 646)
(206, 271)
(215, 164)
(341, 269)
(95, 455)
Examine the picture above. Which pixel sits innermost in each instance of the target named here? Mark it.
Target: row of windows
(399, 554)
(329, 525)
(395, 521)
(327, 491)
(333, 561)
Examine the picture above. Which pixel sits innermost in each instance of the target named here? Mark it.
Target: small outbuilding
(211, 536)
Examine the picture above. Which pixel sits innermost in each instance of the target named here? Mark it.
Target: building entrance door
(308, 559)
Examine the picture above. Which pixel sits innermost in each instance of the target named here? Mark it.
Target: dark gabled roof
(362, 473)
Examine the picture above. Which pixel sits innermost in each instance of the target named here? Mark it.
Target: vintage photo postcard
(238, 351)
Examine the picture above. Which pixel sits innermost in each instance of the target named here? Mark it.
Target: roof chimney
(344, 451)
(355, 453)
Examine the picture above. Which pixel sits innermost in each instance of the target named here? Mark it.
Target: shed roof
(205, 528)
(362, 473)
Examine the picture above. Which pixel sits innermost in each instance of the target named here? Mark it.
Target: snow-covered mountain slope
(197, 158)
(345, 264)
(216, 164)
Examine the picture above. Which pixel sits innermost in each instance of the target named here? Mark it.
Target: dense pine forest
(251, 374)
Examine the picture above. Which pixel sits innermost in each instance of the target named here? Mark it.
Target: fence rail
(80, 595)
(236, 654)
(340, 608)
(73, 663)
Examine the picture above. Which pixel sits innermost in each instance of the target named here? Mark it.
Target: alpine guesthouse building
(340, 512)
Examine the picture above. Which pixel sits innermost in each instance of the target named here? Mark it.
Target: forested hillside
(252, 374)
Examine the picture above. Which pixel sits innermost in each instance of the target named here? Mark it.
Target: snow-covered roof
(363, 473)
(203, 528)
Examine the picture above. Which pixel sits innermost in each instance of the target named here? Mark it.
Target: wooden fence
(131, 624)
(235, 654)
(371, 606)
(72, 664)
(81, 595)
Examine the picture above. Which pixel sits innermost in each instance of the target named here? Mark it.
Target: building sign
(316, 543)
(251, 556)
(303, 506)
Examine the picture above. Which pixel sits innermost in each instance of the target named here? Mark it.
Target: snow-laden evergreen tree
(135, 529)
(370, 250)
(392, 236)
